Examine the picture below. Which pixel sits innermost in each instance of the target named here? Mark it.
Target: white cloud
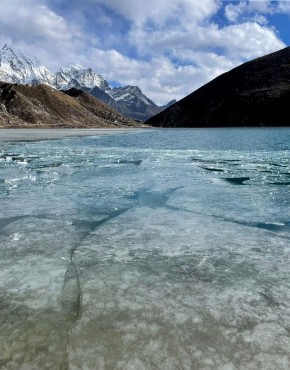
(234, 11)
(241, 41)
(255, 9)
(264, 6)
(162, 10)
(40, 23)
(30, 25)
(245, 41)
(260, 19)
(283, 7)
(240, 9)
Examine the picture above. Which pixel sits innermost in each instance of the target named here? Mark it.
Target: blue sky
(168, 48)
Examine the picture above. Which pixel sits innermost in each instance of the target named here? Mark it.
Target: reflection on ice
(155, 262)
(154, 199)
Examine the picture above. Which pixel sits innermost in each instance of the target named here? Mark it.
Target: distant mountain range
(16, 67)
(257, 93)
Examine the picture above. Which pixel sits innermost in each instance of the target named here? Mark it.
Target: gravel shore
(7, 135)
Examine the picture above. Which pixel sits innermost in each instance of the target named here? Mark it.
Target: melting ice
(153, 250)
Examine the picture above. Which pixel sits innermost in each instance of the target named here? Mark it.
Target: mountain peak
(8, 47)
(130, 94)
(16, 67)
(132, 88)
(74, 75)
(9, 52)
(171, 103)
(73, 67)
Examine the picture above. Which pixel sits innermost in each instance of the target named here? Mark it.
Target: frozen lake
(159, 249)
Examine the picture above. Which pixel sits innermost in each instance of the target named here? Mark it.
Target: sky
(168, 48)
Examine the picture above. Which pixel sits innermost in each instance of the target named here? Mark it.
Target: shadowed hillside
(256, 93)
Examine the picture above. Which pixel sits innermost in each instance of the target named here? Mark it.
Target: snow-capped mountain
(16, 67)
(134, 103)
(75, 75)
(131, 95)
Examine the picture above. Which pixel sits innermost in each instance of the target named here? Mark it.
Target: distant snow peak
(74, 75)
(131, 95)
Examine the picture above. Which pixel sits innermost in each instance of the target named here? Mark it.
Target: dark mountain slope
(43, 106)
(257, 93)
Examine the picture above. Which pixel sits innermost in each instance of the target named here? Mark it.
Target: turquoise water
(162, 249)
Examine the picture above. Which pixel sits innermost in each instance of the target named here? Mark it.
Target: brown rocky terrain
(257, 93)
(41, 106)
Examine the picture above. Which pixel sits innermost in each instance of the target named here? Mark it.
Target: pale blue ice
(163, 249)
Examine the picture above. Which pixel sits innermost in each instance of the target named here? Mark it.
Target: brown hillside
(43, 106)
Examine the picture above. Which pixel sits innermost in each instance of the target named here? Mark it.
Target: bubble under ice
(157, 250)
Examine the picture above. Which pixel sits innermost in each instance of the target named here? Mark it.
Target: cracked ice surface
(157, 250)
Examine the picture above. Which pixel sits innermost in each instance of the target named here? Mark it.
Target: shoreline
(31, 134)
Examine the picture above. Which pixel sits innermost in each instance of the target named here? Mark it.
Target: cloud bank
(168, 48)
